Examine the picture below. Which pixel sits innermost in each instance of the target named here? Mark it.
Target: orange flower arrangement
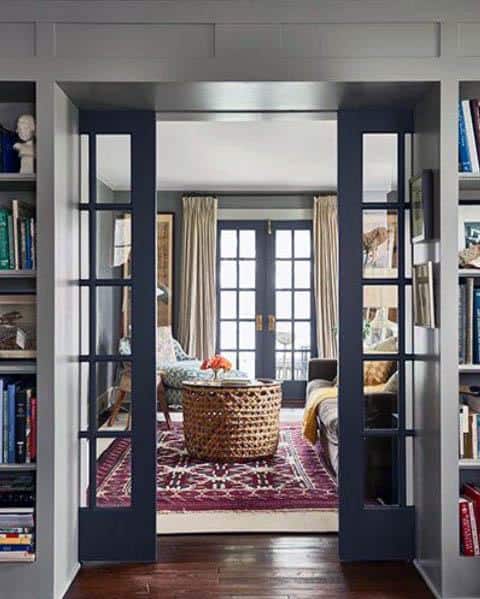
(217, 363)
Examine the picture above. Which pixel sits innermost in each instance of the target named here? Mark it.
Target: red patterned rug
(295, 478)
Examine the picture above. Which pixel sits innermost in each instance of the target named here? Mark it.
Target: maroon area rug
(295, 478)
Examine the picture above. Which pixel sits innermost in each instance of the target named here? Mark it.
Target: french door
(265, 323)
(377, 517)
(118, 311)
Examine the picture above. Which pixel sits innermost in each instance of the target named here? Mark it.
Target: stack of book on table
(469, 137)
(17, 535)
(18, 424)
(469, 513)
(236, 381)
(17, 237)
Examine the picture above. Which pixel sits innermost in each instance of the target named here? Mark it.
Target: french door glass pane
(380, 319)
(302, 243)
(380, 167)
(228, 274)
(380, 244)
(84, 169)
(247, 244)
(232, 357)
(283, 304)
(228, 304)
(113, 390)
(113, 320)
(302, 335)
(246, 335)
(114, 486)
(228, 244)
(114, 242)
(246, 304)
(283, 366)
(381, 404)
(246, 363)
(381, 471)
(302, 304)
(302, 274)
(283, 244)
(228, 335)
(283, 335)
(283, 274)
(84, 472)
(247, 274)
(84, 245)
(114, 178)
(300, 365)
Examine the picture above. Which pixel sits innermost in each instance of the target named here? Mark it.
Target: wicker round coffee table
(231, 423)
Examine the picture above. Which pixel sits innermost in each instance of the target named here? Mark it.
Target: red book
(472, 492)
(33, 430)
(466, 536)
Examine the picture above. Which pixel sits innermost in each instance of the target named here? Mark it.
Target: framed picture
(423, 296)
(165, 223)
(468, 237)
(421, 204)
(18, 326)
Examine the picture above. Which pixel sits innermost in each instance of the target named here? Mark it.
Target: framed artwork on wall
(423, 296)
(165, 223)
(421, 202)
(18, 326)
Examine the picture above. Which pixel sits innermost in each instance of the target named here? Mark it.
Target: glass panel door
(118, 295)
(376, 521)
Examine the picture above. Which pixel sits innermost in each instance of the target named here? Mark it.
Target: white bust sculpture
(26, 147)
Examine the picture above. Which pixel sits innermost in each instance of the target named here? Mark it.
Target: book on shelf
(17, 489)
(469, 137)
(469, 433)
(18, 423)
(469, 541)
(17, 236)
(468, 322)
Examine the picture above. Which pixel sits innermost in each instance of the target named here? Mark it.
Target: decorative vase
(216, 374)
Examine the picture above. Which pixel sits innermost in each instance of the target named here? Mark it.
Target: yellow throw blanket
(317, 397)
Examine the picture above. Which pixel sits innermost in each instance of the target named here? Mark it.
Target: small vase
(216, 374)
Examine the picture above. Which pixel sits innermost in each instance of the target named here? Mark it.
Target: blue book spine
(476, 326)
(5, 427)
(11, 424)
(27, 548)
(28, 245)
(464, 162)
(1, 420)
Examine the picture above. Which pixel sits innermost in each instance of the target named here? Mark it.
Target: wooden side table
(125, 386)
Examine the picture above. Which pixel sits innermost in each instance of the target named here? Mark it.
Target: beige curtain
(196, 327)
(325, 248)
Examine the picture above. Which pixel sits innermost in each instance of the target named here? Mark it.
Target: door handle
(259, 322)
(271, 322)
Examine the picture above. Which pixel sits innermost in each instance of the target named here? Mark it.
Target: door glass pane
(283, 304)
(380, 167)
(300, 365)
(83, 392)
(246, 334)
(283, 274)
(246, 305)
(302, 335)
(228, 273)
(84, 320)
(302, 274)
(381, 471)
(380, 244)
(381, 401)
(84, 169)
(302, 243)
(232, 357)
(114, 395)
(114, 244)
(302, 304)
(247, 274)
(84, 256)
(113, 320)
(114, 168)
(283, 335)
(228, 335)
(84, 471)
(228, 244)
(283, 244)
(283, 365)
(114, 484)
(247, 244)
(247, 363)
(380, 319)
(228, 304)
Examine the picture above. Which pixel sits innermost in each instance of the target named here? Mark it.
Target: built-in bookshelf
(18, 400)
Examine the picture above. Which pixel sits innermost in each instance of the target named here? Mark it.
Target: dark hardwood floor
(254, 566)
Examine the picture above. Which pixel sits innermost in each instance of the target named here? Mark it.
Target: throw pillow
(377, 372)
(165, 349)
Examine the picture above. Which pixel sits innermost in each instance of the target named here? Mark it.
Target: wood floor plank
(256, 566)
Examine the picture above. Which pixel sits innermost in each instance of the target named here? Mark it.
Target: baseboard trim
(231, 521)
(426, 579)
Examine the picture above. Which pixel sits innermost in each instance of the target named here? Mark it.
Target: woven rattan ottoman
(229, 423)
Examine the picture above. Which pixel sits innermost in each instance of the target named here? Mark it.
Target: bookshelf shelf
(466, 464)
(13, 367)
(469, 272)
(468, 368)
(29, 467)
(17, 182)
(16, 274)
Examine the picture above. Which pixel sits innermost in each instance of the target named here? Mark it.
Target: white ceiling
(213, 156)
